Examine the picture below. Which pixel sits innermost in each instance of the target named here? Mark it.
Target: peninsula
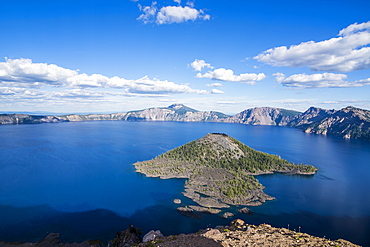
(220, 170)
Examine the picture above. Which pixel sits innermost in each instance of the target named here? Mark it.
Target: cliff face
(349, 122)
(93, 117)
(263, 116)
(28, 119)
(176, 112)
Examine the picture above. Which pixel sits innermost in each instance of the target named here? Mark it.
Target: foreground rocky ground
(262, 235)
(236, 235)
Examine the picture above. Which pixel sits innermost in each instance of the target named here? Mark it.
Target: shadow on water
(32, 224)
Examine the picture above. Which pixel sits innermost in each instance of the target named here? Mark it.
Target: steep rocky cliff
(263, 116)
(349, 122)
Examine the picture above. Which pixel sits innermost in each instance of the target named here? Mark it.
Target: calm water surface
(77, 179)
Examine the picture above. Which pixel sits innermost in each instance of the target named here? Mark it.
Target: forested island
(220, 170)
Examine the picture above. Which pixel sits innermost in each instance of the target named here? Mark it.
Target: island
(220, 170)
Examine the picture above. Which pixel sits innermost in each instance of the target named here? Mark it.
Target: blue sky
(120, 55)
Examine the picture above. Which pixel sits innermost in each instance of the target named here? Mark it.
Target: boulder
(238, 223)
(150, 236)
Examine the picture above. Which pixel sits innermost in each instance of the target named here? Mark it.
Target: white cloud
(171, 14)
(19, 92)
(25, 73)
(228, 75)
(84, 80)
(216, 84)
(319, 81)
(178, 14)
(199, 65)
(149, 13)
(190, 3)
(216, 91)
(146, 85)
(351, 29)
(226, 102)
(348, 52)
(77, 93)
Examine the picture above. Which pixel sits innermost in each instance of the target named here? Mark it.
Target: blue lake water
(77, 179)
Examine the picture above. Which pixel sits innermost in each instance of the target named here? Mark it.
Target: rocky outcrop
(263, 116)
(150, 236)
(129, 237)
(245, 210)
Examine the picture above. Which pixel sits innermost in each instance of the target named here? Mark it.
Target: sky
(95, 56)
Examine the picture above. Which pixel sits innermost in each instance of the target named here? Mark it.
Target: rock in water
(189, 212)
(245, 211)
(126, 238)
(177, 201)
(150, 236)
(227, 215)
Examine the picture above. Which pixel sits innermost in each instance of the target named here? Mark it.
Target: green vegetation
(238, 159)
(220, 167)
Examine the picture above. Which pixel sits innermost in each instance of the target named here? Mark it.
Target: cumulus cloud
(178, 14)
(171, 14)
(25, 73)
(319, 81)
(216, 84)
(223, 74)
(348, 52)
(199, 65)
(216, 91)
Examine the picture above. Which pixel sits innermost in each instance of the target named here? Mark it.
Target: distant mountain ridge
(263, 116)
(349, 122)
(175, 112)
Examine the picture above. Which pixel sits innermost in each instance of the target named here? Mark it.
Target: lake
(78, 179)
